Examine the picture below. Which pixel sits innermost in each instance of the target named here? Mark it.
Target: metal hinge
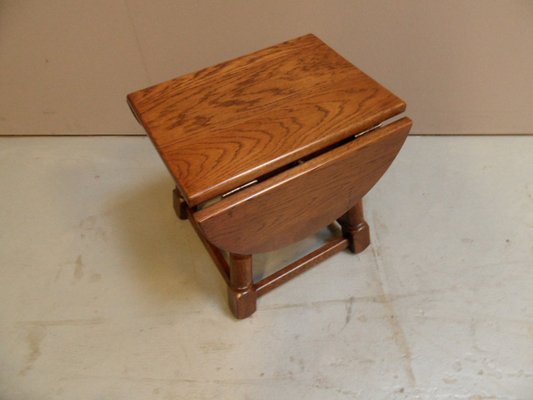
(233, 191)
(368, 130)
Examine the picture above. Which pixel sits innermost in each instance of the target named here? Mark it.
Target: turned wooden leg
(241, 293)
(355, 228)
(180, 207)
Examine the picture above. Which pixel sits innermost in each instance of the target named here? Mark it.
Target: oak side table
(269, 148)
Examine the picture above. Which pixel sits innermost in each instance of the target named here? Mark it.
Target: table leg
(180, 207)
(241, 292)
(355, 228)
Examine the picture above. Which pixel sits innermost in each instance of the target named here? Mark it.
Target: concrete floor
(104, 294)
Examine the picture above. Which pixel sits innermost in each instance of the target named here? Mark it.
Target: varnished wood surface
(355, 228)
(300, 201)
(226, 125)
(241, 291)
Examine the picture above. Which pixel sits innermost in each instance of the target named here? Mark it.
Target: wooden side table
(269, 148)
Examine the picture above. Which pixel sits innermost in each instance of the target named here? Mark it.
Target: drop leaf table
(269, 148)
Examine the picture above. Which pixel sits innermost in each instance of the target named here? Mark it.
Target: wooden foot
(242, 296)
(355, 228)
(180, 207)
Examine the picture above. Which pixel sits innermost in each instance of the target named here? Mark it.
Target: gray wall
(66, 66)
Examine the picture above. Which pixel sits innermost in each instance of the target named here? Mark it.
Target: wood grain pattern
(300, 201)
(221, 127)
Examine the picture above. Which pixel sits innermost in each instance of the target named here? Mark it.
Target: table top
(226, 125)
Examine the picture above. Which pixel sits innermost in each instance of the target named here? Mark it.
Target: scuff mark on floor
(299, 362)
(378, 298)
(88, 225)
(397, 331)
(62, 322)
(78, 270)
(262, 380)
(35, 336)
(58, 273)
(95, 277)
(349, 311)
(215, 346)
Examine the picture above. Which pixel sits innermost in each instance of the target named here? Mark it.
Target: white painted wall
(66, 65)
